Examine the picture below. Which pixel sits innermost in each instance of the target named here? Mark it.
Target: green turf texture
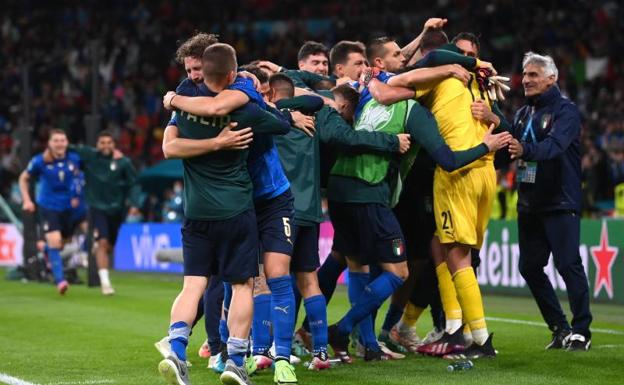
(85, 337)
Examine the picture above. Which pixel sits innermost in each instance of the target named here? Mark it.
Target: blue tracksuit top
(556, 123)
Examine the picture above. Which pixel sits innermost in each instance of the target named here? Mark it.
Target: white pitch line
(608, 346)
(541, 324)
(87, 382)
(10, 380)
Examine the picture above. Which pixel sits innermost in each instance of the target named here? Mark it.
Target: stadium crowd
(412, 136)
(138, 38)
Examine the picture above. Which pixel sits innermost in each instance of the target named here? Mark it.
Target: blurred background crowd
(51, 40)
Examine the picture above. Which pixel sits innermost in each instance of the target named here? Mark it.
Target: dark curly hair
(194, 47)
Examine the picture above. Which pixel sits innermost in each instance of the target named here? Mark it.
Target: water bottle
(459, 366)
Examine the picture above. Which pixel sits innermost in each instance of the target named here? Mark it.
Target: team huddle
(403, 141)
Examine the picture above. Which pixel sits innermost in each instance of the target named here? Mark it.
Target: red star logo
(604, 256)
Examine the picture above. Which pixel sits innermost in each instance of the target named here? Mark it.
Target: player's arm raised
(409, 51)
(222, 104)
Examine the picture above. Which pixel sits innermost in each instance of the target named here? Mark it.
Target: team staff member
(547, 134)
(109, 182)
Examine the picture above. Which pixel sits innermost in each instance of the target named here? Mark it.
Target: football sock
(283, 314)
(261, 325)
(372, 297)
(104, 278)
(357, 284)
(469, 296)
(56, 262)
(316, 309)
(224, 332)
(410, 316)
(328, 276)
(394, 314)
(178, 338)
(237, 349)
(448, 296)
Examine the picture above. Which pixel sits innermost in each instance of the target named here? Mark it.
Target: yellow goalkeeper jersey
(449, 101)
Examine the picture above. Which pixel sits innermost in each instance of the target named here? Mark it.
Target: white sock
(452, 325)
(480, 336)
(104, 280)
(468, 339)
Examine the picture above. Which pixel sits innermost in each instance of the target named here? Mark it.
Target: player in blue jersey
(219, 235)
(274, 209)
(189, 55)
(55, 199)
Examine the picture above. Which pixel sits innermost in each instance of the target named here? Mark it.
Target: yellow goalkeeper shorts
(462, 201)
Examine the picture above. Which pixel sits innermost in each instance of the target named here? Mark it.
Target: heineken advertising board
(601, 250)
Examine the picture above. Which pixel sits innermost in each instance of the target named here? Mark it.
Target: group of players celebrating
(403, 141)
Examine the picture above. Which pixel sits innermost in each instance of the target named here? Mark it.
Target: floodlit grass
(86, 338)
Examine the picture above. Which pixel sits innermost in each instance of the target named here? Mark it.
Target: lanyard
(529, 128)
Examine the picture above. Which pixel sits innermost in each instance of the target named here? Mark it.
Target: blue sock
(261, 326)
(213, 300)
(375, 271)
(227, 296)
(224, 332)
(237, 349)
(297, 296)
(178, 338)
(372, 297)
(283, 312)
(328, 276)
(316, 309)
(357, 283)
(393, 316)
(56, 261)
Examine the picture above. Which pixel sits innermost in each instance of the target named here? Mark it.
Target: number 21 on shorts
(447, 220)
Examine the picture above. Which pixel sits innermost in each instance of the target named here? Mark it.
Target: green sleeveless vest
(372, 168)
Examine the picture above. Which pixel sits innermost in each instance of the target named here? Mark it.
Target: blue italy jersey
(365, 96)
(78, 192)
(265, 169)
(56, 180)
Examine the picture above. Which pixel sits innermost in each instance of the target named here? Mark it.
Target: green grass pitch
(85, 338)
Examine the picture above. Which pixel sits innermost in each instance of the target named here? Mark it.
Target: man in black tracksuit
(547, 132)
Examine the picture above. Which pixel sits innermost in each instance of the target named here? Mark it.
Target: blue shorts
(79, 214)
(305, 256)
(52, 220)
(227, 248)
(415, 211)
(275, 223)
(104, 225)
(367, 232)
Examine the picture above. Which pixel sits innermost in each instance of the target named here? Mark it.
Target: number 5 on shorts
(286, 226)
